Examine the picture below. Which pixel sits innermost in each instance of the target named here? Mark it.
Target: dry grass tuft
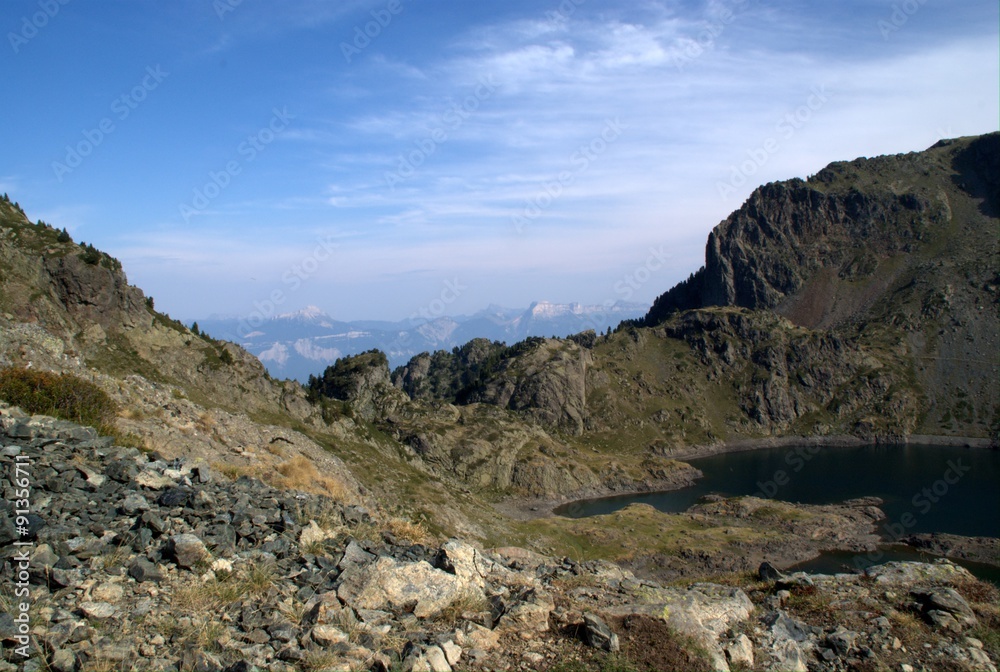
(409, 532)
(201, 597)
(300, 473)
(205, 423)
(234, 471)
(984, 598)
(132, 414)
(319, 661)
(471, 601)
(909, 627)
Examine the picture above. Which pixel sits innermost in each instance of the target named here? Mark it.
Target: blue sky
(376, 158)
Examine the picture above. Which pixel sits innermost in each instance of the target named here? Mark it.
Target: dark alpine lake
(925, 488)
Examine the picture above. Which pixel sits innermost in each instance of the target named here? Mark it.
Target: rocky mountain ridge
(297, 345)
(886, 272)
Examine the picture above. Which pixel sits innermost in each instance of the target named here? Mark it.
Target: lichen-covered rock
(414, 587)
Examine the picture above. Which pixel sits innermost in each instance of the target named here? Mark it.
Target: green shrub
(90, 255)
(60, 395)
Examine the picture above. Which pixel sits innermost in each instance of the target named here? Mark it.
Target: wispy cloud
(419, 172)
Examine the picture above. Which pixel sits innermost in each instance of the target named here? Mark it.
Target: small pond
(924, 489)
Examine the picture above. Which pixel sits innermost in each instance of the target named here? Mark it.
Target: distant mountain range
(295, 345)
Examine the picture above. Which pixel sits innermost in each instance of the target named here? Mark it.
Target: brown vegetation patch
(59, 395)
(650, 644)
(300, 473)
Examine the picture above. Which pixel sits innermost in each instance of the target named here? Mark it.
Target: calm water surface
(925, 488)
(833, 562)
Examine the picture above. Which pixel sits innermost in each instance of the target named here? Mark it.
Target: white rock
(982, 660)
(476, 636)
(313, 533)
(415, 663)
(436, 659)
(452, 652)
(222, 565)
(387, 585)
(534, 658)
(703, 611)
(153, 481)
(740, 651)
(529, 616)
(788, 657)
(107, 592)
(327, 635)
(188, 550)
(94, 477)
(98, 610)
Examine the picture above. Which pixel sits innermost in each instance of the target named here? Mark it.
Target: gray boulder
(598, 635)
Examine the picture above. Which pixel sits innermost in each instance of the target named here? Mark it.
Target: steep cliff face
(786, 377)
(826, 251)
(787, 233)
(899, 250)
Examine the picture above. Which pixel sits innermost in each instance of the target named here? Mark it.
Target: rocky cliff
(826, 250)
(864, 301)
(902, 248)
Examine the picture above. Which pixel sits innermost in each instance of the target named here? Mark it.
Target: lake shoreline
(544, 507)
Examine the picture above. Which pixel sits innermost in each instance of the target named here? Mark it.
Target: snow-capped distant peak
(307, 314)
(546, 309)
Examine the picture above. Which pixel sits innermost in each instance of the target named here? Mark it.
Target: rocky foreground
(128, 561)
